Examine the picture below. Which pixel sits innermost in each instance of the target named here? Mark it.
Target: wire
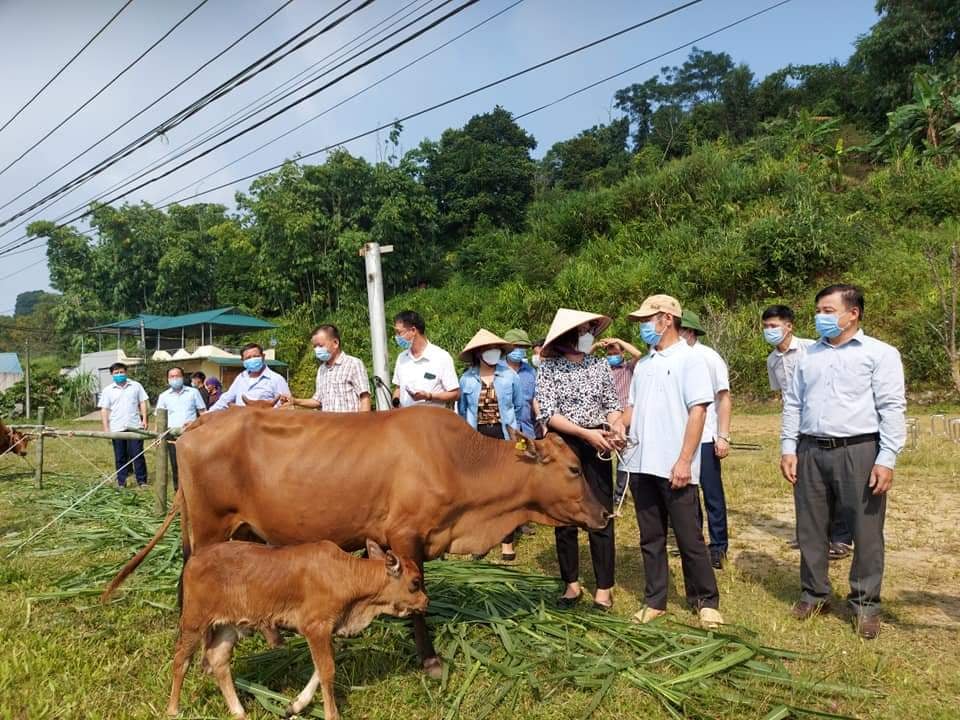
(101, 90)
(69, 63)
(141, 112)
(17, 272)
(224, 88)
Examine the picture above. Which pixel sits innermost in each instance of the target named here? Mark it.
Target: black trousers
(172, 459)
(599, 476)
(656, 503)
(123, 452)
(494, 430)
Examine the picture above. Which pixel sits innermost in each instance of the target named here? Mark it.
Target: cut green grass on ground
(509, 652)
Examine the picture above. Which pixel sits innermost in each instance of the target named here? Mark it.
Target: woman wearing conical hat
(578, 401)
(491, 398)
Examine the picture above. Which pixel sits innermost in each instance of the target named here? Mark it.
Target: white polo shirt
(431, 372)
(781, 365)
(665, 385)
(720, 379)
(123, 402)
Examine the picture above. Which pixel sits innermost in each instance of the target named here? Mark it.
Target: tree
(28, 301)
(483, 170)
(575, 163)
(945, 273)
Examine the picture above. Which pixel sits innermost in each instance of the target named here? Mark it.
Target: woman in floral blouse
(577, 400)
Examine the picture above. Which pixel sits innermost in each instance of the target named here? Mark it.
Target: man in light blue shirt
(843, 426)
(183, 404)
(256, 382)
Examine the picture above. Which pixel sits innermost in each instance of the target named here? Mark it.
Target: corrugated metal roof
(237, 362)
(226, 317)
(10, 363)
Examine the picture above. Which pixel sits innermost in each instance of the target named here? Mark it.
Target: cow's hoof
(433, 667)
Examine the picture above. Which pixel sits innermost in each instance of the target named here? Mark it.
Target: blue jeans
(711, 486)
(123, 451)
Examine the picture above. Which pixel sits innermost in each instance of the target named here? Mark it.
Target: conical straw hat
(483, 339)
(567, 319)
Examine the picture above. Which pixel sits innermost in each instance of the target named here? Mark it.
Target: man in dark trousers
(843, 426)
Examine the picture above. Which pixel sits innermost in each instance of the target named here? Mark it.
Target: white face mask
(535, 360)
(585, 342)
(491, 356)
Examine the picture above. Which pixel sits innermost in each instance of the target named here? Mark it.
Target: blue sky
(38, 36)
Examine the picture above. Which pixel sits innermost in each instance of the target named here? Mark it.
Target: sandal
(647, 615)
(566, 603)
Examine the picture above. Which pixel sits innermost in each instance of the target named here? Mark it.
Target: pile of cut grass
(496, 627)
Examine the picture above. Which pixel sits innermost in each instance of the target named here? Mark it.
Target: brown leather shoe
(804, 610)
(867, 626)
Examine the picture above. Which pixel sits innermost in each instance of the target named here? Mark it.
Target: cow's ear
(542, 452)
(374, 551)
(393, 565)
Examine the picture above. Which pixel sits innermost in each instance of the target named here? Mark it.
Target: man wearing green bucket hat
(715, 442)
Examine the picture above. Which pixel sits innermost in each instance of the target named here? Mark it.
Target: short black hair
(330, 330)
(117, 366)
(251, 346)
(175, 367)
(784, 312)
(198, 375)
(851, 294)
(538, 343)
(411, 319)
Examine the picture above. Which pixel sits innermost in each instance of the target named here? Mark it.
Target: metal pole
(378, 322)
(38, 478)
(26, 383)
(162, 462)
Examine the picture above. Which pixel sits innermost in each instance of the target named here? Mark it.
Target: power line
(176, 151)
(148, 107)
(101, 90)
(25, 267)
(68, 64)
(224, 88)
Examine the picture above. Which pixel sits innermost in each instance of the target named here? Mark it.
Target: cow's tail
(135, 561)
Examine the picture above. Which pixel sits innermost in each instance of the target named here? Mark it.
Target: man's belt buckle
(828, 443)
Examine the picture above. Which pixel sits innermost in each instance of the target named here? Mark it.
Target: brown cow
(12, 441)
(314, 588)
(419, 480)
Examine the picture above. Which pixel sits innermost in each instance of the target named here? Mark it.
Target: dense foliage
(727, 191)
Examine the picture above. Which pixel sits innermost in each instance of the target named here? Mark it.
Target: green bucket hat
(517, 337)
(691, 321)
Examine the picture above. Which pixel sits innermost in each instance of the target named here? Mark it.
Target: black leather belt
(831, 443)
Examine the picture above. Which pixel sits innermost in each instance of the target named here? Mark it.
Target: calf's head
(558, 488)
(403, 592)
(16, 442)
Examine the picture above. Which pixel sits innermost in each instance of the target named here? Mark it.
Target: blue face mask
(253, 364)
(517, 355)
(119, 378)
(402, 342)
(176, 384)
(322, 354)
(828, 325)
(615, 360)
(649, 334)
(773, 335)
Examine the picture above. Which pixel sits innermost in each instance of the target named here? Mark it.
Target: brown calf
(314, 588)
(12, 441)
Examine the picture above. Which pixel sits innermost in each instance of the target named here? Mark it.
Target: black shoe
(508, 557)
(603, 607)
(565, 603)
(839, 550)
(716, 559)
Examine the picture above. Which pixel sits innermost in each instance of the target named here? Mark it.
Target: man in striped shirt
(342, 384)
(620, 367)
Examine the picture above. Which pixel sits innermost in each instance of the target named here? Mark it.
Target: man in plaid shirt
(342, 384)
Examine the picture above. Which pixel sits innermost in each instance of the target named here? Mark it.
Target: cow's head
(403, 592)
(560, 490)
(15, 442)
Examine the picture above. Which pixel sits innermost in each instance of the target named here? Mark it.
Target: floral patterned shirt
(582, 392)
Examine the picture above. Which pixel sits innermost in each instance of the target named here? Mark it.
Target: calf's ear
(374, 551)
(393, 565)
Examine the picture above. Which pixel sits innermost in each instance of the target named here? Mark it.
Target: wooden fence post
(38, 478)
(161, 464)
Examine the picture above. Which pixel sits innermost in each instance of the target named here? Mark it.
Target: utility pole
(26, 383)
(371, 253)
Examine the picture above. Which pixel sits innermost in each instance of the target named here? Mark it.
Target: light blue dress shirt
(509, 397)
(856, 388)
(182, 407)
(268, 385)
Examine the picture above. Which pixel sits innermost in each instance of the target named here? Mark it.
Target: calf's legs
(217, 656)
(321, 650)
(187, 643)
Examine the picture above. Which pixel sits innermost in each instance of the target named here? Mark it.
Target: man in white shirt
(183, 404)
(781, 362)
(342, 384)
(123, 405)
(715, 441)
(256, 382)
(843, 426)
(424, 372)
(669, 395)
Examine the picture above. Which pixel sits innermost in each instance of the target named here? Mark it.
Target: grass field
(72, 658)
